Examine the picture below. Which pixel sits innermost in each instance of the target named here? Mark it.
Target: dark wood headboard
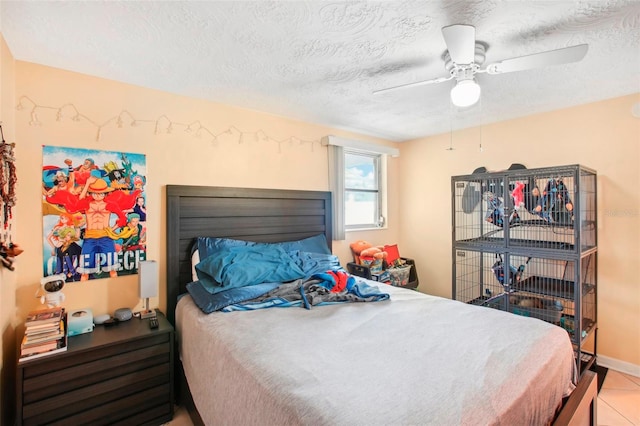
(262, 215)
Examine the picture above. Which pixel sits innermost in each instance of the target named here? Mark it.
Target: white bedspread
(413, 360)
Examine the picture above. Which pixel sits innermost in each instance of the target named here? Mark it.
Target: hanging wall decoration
(94, 212)
(160, 124)
(8, 180)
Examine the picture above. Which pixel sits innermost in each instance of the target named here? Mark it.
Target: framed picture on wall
(93, 212)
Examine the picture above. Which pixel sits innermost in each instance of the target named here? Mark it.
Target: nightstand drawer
(39, 367)
(133, 411)
(86, 373)
(117, 392)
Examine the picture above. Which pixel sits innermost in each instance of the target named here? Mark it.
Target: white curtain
(336, 186)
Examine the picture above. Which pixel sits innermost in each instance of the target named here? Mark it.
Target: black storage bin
(365, 272)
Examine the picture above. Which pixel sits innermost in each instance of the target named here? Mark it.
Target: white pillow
(195, 259)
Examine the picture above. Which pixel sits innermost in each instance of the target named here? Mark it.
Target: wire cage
(525, 241)
(550, 209)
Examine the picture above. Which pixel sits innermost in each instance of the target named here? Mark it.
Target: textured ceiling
(320, 61)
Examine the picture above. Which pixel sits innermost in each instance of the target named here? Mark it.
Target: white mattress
(415, 359)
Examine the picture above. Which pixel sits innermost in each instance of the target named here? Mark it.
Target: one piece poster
(93, 212)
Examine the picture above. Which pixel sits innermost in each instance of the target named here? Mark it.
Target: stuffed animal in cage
(554, 204)
(51, 287)
(518, 195)
(563, 212)
(495, 211)
(515, 274)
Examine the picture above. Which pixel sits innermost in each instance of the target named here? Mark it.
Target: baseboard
(620, 366)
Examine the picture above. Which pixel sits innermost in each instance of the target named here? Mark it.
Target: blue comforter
(320, 289)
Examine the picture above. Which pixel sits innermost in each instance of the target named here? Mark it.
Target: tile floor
(180, 418)
(618, 402)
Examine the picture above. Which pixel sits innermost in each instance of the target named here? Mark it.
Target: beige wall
(8, 279)
(603, 136)
(175, 158)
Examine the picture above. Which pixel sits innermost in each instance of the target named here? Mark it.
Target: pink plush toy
(518, 195)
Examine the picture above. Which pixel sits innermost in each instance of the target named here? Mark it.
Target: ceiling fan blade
(539, 60)
(461, 42)
(415, 84)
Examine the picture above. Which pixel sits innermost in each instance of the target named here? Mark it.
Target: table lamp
(147, 285)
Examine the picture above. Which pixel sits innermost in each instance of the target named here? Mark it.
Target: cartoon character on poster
(94, 212)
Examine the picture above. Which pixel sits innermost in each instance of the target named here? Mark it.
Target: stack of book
(45, 333)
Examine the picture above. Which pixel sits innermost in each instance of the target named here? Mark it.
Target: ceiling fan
(465, 55)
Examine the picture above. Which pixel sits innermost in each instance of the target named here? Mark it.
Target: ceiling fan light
(465, 93)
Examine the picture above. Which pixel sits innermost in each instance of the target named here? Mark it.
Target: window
(362, 190)
(357, 179)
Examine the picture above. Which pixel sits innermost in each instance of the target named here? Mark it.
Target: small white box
(79, 321)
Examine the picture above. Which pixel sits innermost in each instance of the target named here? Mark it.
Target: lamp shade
(465, 93)
(148, 278)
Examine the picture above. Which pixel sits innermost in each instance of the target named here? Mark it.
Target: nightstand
(117, 375)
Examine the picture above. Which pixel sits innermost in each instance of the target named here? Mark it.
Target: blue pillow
(208, 302)
(315, 263)
(315, 244)
(208, 245)
(245, 265)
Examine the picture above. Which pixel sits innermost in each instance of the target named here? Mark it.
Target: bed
(412, 359)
